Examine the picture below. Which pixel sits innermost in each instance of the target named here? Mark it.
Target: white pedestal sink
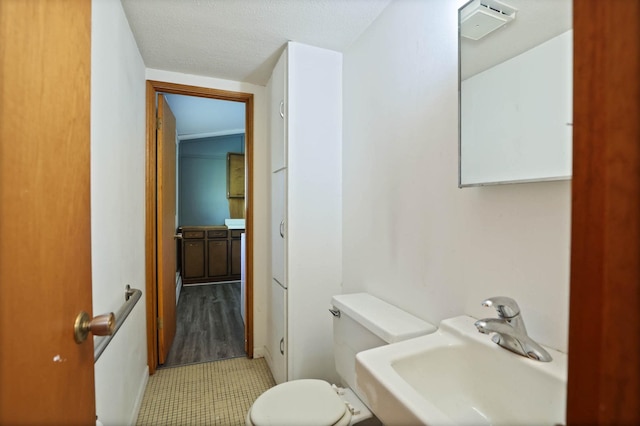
(457, 376)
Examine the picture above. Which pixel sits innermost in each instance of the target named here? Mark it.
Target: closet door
(278, 114)
(277, 299)
(278, 326)
(278, 227)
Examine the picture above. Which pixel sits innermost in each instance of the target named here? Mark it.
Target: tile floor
(212, 393)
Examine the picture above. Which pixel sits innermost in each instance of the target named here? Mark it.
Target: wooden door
(604, 322)
(45, 229)
(166, 228)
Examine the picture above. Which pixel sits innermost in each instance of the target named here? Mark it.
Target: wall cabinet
(210, 254)
(235, 175)
(305, 116)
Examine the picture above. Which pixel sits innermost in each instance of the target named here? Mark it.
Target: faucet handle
(507, 307)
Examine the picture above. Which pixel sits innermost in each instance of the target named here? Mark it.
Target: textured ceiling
(241, 40)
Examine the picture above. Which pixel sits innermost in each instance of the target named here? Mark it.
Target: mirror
(515, 89)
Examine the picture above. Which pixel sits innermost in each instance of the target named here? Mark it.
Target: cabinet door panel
(235, 175)
(278, 114)
(278, 340)
(193, 262)
(218, 257)
(278, 226)
(236, 255)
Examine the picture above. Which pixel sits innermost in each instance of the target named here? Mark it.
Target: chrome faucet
(509, 330)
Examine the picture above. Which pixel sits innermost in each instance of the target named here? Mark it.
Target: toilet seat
(304, 401)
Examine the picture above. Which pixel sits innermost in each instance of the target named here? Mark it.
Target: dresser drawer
(236, 233)
(217, 233)
(193, 234)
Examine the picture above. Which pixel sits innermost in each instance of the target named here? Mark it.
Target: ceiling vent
(480, 17)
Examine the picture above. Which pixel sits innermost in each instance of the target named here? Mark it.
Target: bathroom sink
(459, 376)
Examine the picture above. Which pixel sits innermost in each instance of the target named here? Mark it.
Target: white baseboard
(140, 395)
(267, 357)
(259, 352)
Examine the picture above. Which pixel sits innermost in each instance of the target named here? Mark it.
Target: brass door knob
(102, 325)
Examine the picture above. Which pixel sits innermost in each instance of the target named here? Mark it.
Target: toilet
(360, 322)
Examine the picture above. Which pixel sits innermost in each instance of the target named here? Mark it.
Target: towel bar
(131, 297)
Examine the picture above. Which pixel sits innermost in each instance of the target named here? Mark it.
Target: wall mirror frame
(515, 89)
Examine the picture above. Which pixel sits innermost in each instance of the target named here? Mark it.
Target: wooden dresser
(210, 254)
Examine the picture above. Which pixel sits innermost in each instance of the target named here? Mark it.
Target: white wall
(261, 189)
(202, 179)
(117, 207)
(118, 202)
(410, 236)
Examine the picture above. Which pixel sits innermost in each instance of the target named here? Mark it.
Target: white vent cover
(480, 17)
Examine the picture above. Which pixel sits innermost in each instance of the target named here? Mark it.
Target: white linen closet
(305, 117)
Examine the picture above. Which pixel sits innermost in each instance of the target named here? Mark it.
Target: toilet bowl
(301, 402)
(361, 322)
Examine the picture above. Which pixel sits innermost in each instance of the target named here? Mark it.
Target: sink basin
(459, 376)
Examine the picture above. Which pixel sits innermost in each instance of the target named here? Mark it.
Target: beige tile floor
(213, 393)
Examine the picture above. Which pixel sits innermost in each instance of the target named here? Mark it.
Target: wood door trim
(604, 324)
(165, 219)
(153, 87)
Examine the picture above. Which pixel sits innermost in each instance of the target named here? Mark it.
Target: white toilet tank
(366, 322)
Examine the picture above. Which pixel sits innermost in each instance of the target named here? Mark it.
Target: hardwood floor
(210, 326)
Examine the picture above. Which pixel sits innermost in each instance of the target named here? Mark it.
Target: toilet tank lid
(386, 321)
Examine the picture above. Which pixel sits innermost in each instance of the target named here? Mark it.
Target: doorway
(209, 212)
(154, 323)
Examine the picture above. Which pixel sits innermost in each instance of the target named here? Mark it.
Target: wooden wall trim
(249, 201)
(153, 87)
(203, 92)
(604, 325)
(150, 231)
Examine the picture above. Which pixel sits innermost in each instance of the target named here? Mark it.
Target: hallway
(209, 325)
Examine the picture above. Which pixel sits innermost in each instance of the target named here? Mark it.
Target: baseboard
(140, 395)
(267, 357)
(259, 352)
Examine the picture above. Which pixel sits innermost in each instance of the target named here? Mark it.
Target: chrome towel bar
(131, 297)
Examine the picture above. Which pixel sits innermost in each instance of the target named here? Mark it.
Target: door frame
(152, 89)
